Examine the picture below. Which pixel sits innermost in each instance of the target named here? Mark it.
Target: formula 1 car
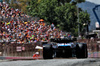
(64, 48)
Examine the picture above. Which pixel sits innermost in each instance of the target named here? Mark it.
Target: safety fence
(28, 49)
(93, 47)
(18, 50)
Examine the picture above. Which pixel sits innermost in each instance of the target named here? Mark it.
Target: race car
(64, 48)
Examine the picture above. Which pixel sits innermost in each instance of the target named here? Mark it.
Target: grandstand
(19, 28)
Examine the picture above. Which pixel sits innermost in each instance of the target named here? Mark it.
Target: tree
(66, 17)
(19, 4)
(78, 1)
(23, 4)
(32, 8)
(46, 10)
(63, 13)
(74, 2)
(63, 1)
(14, 4)
(84, 20)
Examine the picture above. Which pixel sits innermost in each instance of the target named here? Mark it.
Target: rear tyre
(47, 51)
(81, 51)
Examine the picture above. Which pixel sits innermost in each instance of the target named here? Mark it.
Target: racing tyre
(81, 50)
(47, 51)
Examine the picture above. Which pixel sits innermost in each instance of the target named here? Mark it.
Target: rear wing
(63, 40)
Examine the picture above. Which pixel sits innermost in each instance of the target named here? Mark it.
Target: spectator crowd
(17, 26)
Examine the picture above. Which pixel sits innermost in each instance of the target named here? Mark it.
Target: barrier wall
(21, 50)
(27, 50)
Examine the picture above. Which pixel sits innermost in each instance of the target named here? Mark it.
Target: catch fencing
(28, 49)
(18, 50)
(93, 47)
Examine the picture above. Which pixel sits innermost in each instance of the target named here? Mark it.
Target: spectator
(52, 26)
(16, 26)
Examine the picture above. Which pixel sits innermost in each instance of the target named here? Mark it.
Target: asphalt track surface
(52, 62)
